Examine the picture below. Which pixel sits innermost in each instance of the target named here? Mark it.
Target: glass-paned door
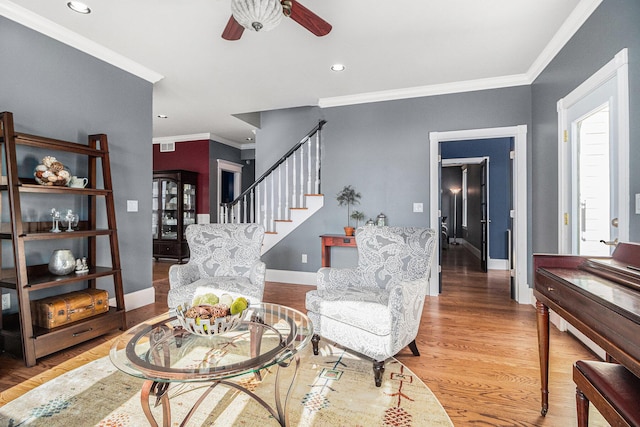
(169, 202)
(594, 162)
(189, 205)
(593, 183)
(155, 206)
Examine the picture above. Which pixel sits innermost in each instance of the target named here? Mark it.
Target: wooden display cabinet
(174, 208)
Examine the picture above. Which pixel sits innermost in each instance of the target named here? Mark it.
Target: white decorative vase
(62, 262)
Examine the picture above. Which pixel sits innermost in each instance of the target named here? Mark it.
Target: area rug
(335, 388)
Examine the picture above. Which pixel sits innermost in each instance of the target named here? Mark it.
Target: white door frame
(236, 168)
(617, 69)
(519, 214)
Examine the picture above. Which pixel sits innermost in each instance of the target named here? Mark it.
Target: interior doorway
(518, 214)
(229, 182)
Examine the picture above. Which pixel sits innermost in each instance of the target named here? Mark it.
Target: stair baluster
(258, 202)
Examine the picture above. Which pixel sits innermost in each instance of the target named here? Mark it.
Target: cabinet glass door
(189, 205)
(155, 207)
(169, 206)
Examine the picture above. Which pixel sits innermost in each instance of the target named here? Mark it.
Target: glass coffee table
(161, 352)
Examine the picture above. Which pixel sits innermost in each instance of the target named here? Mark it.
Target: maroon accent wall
(191, 156)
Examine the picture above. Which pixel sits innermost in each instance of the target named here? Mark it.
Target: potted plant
(348, 196)
(357, 216)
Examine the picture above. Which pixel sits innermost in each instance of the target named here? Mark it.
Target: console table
(329, 240)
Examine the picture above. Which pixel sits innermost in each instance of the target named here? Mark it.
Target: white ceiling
(392, 49)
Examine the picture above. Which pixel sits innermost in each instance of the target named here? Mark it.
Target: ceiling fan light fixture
(257, 15)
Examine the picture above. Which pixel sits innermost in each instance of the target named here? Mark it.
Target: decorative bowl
(210, 326)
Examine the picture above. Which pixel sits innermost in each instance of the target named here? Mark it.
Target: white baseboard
(498, 264)
(296, 277)
(137, 299)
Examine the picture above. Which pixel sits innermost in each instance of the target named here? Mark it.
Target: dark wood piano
(598, 296)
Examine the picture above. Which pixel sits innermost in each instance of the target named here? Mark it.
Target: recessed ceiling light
(79, 7)
(337, 67)
(162, 116)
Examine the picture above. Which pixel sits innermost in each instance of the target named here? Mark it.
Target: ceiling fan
(263, 15)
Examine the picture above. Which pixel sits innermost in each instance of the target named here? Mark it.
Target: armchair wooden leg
(315, 339)
(378, 370)
(414, 348)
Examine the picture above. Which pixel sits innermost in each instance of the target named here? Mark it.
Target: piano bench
(612, 389)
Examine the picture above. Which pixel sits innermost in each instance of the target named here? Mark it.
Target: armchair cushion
(367, 311)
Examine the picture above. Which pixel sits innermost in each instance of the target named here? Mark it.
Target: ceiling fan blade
(309, 20)
(233, 30)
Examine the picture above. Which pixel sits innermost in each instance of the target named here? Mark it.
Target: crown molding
(571, 25)
(203, 136)
(431, 90)
(578, 16)
(57, 32)
(182, 138)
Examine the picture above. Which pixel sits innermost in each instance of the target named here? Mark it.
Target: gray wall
(612, 27)
(382, 149)
(57, 91)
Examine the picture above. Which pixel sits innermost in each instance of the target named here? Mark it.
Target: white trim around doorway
(519, 134)
(618, 69)
(236, 169)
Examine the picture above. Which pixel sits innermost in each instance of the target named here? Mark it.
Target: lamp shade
(257, 15)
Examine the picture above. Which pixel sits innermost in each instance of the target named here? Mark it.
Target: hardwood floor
(478, 350)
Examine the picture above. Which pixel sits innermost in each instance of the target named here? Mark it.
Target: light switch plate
(132, 206)
(638, 203)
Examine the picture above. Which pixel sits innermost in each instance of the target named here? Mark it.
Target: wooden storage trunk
(59, 310)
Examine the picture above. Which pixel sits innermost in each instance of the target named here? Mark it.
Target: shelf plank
(65, 235)
(56, 144)
(40, 278)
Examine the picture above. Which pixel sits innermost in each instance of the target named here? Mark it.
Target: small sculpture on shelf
(81, 265)
(55, 218)
(70, 220)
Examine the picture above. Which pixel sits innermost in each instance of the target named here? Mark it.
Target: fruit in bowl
(202, 318)
(207, 311)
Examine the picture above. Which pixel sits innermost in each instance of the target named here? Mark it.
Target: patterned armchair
(225, 258)
(375, 309)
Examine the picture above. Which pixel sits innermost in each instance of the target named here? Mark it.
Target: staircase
(286, 195)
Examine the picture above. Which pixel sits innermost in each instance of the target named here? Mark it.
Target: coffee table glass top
(159, 349)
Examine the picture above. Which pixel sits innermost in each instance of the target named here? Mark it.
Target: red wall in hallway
(191, 156)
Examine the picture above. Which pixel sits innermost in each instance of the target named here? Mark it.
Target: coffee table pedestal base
(159, 391)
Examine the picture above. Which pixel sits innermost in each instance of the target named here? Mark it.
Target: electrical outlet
(6, 301)
(304, 258)
(418, 207)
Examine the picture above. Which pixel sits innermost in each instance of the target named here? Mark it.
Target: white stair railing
(281, 187)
